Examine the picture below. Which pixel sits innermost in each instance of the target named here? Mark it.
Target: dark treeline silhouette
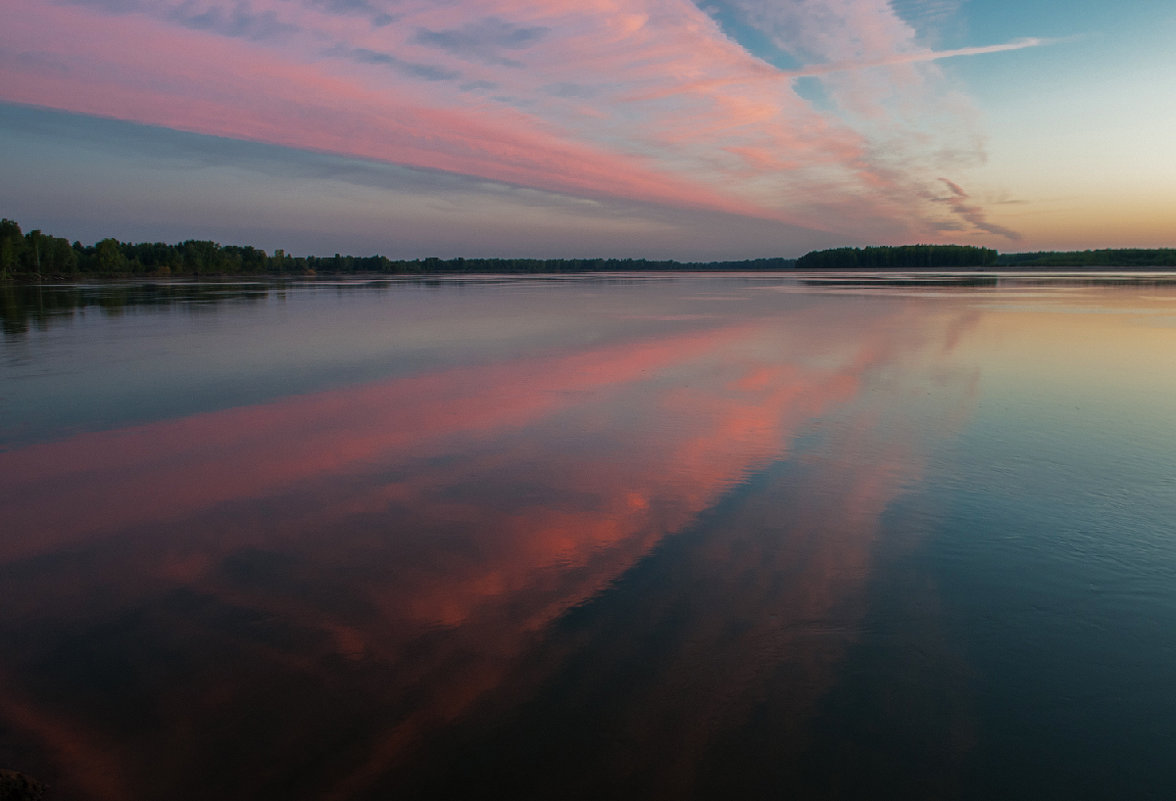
(899, 257)
(36, 255)
(1121, 257)
(39, 255)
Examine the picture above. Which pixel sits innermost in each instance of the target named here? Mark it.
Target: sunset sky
(647, 128)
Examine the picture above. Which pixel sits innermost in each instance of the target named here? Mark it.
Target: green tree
(12, 245)
(110, 257)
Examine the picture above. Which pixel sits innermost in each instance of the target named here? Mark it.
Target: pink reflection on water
(101, 482)
(406, 546)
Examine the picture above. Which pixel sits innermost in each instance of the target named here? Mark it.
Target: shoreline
(998, 272)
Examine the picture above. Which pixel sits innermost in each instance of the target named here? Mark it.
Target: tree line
(964, 256)
(1107, 257)
(36, 254)
(897, 257)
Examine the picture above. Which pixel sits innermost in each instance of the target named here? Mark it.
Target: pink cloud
(208, 84)
(646, 100)
(887, 86)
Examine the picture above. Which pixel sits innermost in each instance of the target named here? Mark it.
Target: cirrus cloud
(650, 100)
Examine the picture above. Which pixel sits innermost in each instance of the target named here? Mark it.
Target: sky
(716, 129)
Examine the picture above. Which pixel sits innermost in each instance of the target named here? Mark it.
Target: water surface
(688, 536)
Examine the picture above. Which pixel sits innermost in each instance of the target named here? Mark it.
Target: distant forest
(39, 255)
(962, 256)
(36, 255)
(900, 257)
(1122, 257)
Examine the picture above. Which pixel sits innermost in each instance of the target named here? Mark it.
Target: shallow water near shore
(595, 536)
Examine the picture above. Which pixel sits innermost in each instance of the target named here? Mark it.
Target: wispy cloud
(765, 73)
(426, 72)
(653, 101)
(959, 202)
(916, 57)
(484, 40)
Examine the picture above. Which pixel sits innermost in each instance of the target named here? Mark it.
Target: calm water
(591, 538)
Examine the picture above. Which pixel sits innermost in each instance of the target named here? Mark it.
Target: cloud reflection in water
(637, 547)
